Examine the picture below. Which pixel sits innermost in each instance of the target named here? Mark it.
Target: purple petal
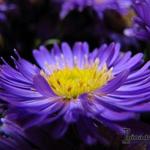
(41, 85)
(113, 84)
(67, 54)
(117, 116)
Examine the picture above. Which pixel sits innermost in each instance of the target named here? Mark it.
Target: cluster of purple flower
(98, 92)
(98, 5)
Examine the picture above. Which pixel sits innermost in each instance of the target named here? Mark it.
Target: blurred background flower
(34, 22)
(12, 137)
(141, 24)
(98, 5)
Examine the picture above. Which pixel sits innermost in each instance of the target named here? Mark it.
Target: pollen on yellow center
(72, 82)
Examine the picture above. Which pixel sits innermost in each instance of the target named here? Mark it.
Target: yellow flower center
(129, 17)
(72, 82)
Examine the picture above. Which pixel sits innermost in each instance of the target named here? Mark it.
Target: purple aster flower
(98, 5)
(141, 23)
(74, 86)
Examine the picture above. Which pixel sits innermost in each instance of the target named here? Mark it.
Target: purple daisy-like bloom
(79, 87)
(98, 5)
(141, 23)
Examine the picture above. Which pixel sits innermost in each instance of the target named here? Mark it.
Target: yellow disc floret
(72, 82)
